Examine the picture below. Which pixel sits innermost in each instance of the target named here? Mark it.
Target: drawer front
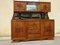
(33, 26)
(19, 6)
(44, 7)
(18, 30)
(47, 28)
(33, 36)
(47, 38)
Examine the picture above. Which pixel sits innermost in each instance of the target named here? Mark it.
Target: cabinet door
(18, 30)
(44, 7)
(47, 29)
(33, 26)
(33, 29)
(19, 6)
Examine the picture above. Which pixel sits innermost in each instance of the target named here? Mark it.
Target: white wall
(55, 14)
(6, 13)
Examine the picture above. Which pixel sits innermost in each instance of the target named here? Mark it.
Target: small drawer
(19, 6)
(44, 7)
(33, 36)
(33, 31)
(47, 38)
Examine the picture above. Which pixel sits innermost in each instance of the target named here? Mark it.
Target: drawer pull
(17, 30)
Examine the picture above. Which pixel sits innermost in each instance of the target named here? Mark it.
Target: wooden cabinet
(32, 29)
(40, 6)
(31, 21)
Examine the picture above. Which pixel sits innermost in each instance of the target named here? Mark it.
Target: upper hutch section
(27, 6)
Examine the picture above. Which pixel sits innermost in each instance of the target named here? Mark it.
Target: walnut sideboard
(30, 21)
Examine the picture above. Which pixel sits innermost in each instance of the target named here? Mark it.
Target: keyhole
(17, 30)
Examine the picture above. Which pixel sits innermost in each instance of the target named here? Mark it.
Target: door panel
(19, 31)
(33, 26)
(47, 28)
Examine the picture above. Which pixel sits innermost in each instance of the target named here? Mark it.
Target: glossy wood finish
(41, 6)
(47, 27)
(32, 29)
(18, 30)
(19, 6)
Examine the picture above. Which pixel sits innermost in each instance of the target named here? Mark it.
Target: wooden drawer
(19, 6)
(33, 26)
(47, 27)
(33, 36)
(44, 7)
(47, 38)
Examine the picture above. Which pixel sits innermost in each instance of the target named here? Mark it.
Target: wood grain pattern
(19, 6)
(32, 28)
(41, 6)
(19, 30)
(22, 30)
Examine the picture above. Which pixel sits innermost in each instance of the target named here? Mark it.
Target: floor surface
(56, 41)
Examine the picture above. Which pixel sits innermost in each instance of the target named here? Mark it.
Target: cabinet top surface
(33, 1)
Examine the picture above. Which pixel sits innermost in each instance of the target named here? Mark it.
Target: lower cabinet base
(31, 30)
(18, 40)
